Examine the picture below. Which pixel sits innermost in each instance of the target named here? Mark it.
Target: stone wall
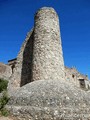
(22, 72)
(72, 75)
(12, 63)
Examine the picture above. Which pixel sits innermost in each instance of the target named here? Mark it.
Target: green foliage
(4, 97)
(3, 85)
(4, 112)
(3, 101)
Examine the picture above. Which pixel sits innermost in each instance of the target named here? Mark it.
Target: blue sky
(17, 18)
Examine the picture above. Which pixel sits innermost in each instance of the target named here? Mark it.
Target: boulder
(5, 71)
(50, 100)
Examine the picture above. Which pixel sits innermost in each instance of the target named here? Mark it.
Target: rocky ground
(50, 99)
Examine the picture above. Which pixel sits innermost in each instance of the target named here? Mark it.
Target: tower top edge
(45, 10)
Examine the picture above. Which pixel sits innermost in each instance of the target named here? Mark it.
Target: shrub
(4, 112)
(4, 98)
(3, 85)
(3, 101)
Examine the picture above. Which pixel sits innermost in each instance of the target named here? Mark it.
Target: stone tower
(47, 50)
(40, 57)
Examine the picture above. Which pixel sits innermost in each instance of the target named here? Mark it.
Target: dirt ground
(7, 118)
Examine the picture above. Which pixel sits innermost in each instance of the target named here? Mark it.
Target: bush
(3, 101)
(4, 98)
(4, 112)
(3, 85)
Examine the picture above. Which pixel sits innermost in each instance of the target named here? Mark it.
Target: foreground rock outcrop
(5, 71)
(50, 100)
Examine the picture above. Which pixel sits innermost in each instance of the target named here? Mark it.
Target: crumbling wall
(22, 72)
(72, 75)
(87, 84)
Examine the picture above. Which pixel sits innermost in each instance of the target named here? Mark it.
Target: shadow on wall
(26, 74)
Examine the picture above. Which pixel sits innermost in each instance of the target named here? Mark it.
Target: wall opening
(73, 76)
(82, 83)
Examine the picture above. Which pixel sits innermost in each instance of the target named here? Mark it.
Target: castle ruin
(40, 86)
(41, 56)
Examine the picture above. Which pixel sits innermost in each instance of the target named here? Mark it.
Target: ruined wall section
(22, 72)
(5, 71)
(48, 60)
(72, 75)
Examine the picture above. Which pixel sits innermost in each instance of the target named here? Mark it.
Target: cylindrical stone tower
(47, 50)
